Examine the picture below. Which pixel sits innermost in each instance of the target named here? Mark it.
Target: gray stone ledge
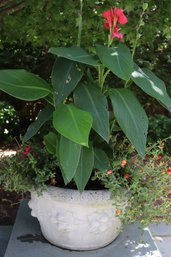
(5, 232)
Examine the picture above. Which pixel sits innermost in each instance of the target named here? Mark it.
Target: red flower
(109, 172)
(169, 170)
(122, 19)
(123, 163)
(159, 157)
(126, 176)
(117, 34)
(27, 151)
(118, 212)
(114, 17)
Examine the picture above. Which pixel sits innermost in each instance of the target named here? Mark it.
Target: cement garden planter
(76, 221)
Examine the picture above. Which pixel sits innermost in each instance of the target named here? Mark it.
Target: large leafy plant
(79, 101)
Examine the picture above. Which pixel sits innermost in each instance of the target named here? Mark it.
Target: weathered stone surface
(162, 236)
(5, 232)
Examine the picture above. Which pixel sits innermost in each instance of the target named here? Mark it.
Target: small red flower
(118, 212)
(109, 172)
(117, 34)
(27, 151)
(123, 163)
(169, 170)
(159, 157)
(126, 176)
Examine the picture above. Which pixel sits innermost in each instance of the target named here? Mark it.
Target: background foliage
(29, 28)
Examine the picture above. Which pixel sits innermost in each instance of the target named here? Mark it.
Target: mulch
(9, 203)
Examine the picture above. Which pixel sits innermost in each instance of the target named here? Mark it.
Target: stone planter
(76, 221)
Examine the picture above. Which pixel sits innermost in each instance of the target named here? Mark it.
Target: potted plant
(84, 111)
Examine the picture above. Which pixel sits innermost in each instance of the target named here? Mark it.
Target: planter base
(74, 220)
(26, 241)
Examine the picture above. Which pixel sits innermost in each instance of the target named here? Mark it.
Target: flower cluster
(144, 182)
(30, 168)
(114, 17)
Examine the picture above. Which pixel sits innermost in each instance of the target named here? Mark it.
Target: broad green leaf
(23, 85)
(63, 176)
(151, 85)
(69, 155)
(131, 117)
(90, 99)
(73, 123)
(43, 116)
(101, 160)
(51, 143)
(85, 167)
(65, 76)
(74, 53)
(117, 59)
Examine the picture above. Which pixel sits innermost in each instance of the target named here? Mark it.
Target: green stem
(140, 24)
(105, 75)
(80, 23)
(100, 76)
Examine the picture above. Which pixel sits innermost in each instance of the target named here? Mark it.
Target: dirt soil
(9, 203)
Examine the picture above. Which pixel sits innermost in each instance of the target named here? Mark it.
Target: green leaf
(73, 123)
(90, 99)
(101, 160)
(85, 167)
(74, 53)
(131, 117)
(151, 85)
(51, 143)
(43, 116)
(23, 85)
(69, 155)
(117, 59)
(49, 99)
(66, 75)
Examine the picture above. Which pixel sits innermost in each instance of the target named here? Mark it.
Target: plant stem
(80, 23)
(138, 35)
(100, 76)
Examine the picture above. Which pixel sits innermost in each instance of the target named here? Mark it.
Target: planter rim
(69, 195)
